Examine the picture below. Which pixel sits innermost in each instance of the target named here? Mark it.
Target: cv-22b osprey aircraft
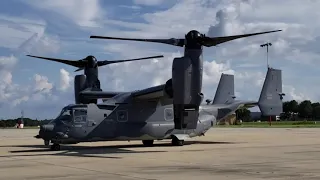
(171, 110)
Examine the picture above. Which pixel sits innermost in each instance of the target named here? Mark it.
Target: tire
(55, 147)
(176, 142)
(147, 142)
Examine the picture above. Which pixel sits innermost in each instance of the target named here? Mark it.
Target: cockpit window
(70, 114)
(65, 115)
(80, 115)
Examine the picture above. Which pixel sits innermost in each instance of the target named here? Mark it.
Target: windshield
(65, 115)
(77, 114)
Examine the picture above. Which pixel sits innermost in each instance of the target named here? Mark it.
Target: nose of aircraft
(47, 127)
(46, 131)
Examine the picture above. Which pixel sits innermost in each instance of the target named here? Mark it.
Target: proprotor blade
(78, 64)
(213, 41)
(171, 41)
(79, 69)
(106, 62)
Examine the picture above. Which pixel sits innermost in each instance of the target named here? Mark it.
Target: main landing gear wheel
(55, 147)
(147, 142)
(176, 142)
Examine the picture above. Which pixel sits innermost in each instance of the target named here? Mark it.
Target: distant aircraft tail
(225, 90)
(270, 100)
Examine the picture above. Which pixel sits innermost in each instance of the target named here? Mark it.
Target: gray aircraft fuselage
(135, 121)
(87, 123)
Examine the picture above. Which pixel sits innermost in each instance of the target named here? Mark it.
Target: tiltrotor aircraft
(172, 110)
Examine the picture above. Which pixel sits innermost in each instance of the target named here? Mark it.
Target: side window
(122, 115)
(168, 114)
(80, 116)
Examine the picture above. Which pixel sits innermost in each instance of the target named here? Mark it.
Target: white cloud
(82, 12)
(293, 94)
(6, 77)
(136, 75)
(148, 2)
(65, 79)
(15, 30)
(46, 44)
(19, 101)
(7, 62)
(42, 84)
(212, 72)
(23, 35)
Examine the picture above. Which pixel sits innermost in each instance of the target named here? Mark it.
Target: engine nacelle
(187, 96)
(168, 89)
(79, 85)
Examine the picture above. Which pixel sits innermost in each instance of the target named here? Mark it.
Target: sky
(61, 29)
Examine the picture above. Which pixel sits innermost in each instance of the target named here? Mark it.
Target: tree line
(26, 122)
(304, 110)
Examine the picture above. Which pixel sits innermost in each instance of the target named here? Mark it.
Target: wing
(154, 93)
(99, 94)
(149, 94)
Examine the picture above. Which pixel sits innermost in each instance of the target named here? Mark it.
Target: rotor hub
(91, 61)
(193, 39)
(193, 35)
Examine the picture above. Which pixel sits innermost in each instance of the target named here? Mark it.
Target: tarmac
(222, 154)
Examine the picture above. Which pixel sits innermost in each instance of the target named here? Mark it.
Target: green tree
(244, 114)
(294, 106)
(315, 104)
(316, 112)
(2, 123)
(305, 109)
(290, 107)
(286, 107)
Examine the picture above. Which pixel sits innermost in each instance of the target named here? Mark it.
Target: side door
(80, 122)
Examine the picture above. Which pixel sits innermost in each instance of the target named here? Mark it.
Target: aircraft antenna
(267, 45)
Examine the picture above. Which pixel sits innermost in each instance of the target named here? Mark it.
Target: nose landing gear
(55, 147)
(46, 142)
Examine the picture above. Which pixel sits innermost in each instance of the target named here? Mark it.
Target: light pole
(267, 45)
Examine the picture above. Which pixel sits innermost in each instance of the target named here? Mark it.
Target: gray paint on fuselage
(149, 120)
(143, 120)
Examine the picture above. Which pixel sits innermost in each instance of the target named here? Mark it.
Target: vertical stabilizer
(270, 100)
(225, 90)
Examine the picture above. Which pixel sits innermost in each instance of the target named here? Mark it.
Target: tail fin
(225, 90)
(270, 100)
